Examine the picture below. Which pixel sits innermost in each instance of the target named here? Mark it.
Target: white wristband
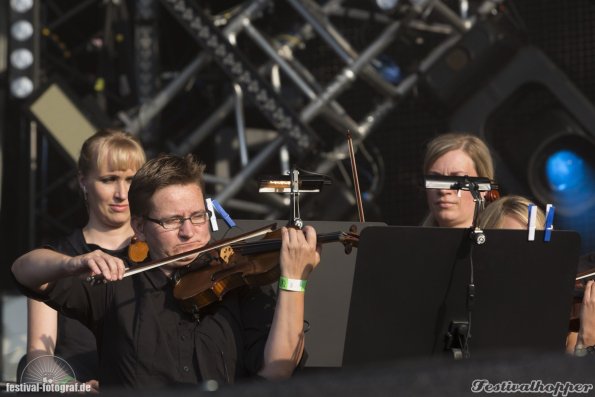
(292, 284)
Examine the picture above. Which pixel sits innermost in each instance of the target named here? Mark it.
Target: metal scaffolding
(263, 64)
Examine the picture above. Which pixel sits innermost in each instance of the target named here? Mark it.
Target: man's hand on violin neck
(299, 252)
(95, 263)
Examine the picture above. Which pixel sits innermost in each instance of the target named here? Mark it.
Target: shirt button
(183, 337)
(186, 369)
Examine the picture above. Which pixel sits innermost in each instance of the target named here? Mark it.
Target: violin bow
(585, 275)
(358, 193)
(196, 251)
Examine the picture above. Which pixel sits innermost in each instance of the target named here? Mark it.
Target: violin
(252, 263)
(229, 264)
(239, 264)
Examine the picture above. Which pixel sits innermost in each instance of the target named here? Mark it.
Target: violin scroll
(491, 196)
(350, 239)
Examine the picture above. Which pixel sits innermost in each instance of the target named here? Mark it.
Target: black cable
(470, 301)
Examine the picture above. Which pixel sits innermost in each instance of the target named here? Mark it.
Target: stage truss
(252, 87)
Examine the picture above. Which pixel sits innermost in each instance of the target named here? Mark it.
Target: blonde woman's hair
(472, 145)
(117, 149)
(515, 206)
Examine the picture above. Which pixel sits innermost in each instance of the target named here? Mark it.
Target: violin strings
(274, 243)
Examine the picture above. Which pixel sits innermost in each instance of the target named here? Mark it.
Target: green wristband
(292, 284)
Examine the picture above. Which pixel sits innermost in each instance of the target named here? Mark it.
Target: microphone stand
(477, 235)
(294, 185)
(459, 332)
(294, 200)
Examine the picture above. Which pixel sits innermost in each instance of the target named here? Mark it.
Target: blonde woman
(510, 212)
(108, 161)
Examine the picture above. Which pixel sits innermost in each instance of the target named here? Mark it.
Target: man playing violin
(144, 338)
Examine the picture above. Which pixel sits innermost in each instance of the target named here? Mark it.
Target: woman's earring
(84, 193)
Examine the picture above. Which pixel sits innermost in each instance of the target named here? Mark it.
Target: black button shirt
(145, 340)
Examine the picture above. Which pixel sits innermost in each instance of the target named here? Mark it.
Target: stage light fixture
(21, 5)
(547, 155)
(21, 59)
(541, 132)
(21, 87)
(23, 47)
(21, 30)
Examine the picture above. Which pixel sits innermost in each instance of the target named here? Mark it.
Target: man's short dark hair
(158, 173)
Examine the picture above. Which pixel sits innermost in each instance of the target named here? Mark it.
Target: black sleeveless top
(75, 343)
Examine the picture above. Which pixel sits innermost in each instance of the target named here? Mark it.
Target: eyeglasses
(176, 222)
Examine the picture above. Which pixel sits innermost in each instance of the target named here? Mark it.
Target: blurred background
(257, 87)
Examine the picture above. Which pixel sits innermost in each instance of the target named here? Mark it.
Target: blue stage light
(566, 171)
(388, 69)
(562, 173)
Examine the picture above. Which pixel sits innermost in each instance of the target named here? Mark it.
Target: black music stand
(410, 285)
(328, 291)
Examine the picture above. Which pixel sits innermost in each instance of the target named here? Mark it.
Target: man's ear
(138, 225)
